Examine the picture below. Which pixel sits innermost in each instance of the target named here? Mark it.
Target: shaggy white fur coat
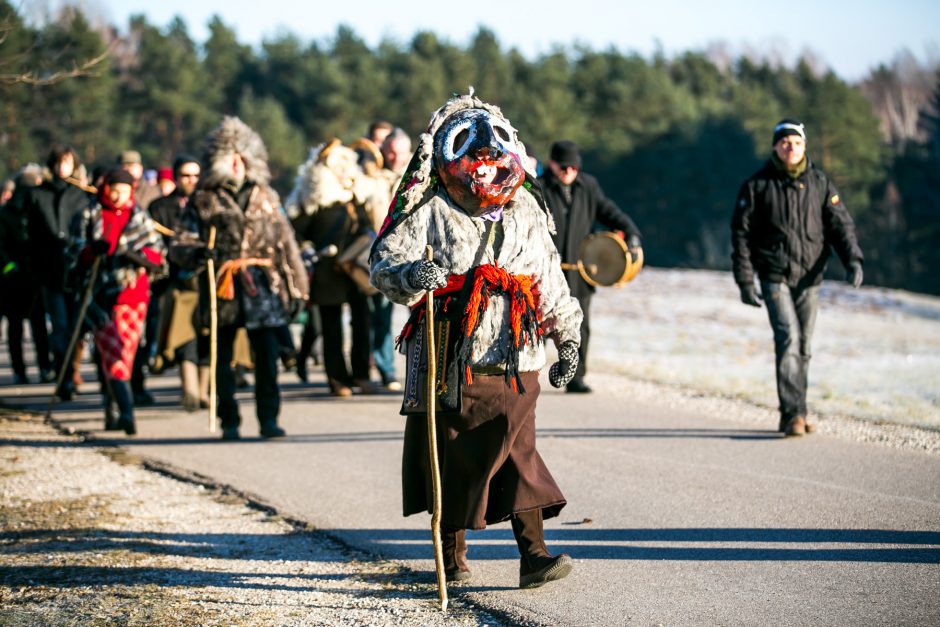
(460, 243)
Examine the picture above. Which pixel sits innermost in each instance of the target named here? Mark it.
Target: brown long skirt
(490, 467)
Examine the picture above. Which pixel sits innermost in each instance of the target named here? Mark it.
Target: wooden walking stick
(432, 447)
(213, 331)
(76, 332)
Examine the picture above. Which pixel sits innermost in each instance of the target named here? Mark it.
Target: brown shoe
(456, 566)
(366, 386)
(810, 427)
(795, 426)
(340, 389)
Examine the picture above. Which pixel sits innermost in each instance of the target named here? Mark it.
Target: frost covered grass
(876, 352)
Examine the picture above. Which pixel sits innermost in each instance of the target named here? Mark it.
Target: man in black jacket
(49, 209)
(787, 216)
(166, 293)
(20, 295)
(577, 203)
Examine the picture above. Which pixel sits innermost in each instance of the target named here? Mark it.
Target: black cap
(566, 154)
(788, 126)
(183, 159)
(119, 175)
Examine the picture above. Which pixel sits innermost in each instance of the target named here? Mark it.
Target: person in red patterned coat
(123, 234)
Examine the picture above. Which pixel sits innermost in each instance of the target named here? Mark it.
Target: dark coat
(340, 225)
(17, 285)
(50, 209)
(263, 294)
(166, 210)
(783, 227)
(489, 465)
(573, 223)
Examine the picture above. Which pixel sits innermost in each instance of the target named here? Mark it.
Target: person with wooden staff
(261, 281)
(500, 293)
(117, 230)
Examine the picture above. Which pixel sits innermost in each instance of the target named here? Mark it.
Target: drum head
(604, 259)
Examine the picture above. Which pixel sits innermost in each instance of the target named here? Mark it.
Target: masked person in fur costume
(261, 281)
(499, 294)
(117, 228)
(331, 190)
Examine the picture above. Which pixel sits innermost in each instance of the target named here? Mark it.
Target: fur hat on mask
(420, 181)
(232, 137)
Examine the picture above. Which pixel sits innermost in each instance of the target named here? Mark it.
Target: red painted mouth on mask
(491, 181)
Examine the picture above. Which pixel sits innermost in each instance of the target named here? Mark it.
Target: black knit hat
(566, 154)
(788, 126)
(183, 159)
(118, 175)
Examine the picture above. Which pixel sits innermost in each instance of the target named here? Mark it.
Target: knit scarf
(794, 173)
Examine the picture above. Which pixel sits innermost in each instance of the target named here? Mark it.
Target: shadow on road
(104, 438)
(615, 544)
(872, 545)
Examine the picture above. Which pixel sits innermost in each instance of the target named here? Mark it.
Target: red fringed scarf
(476, 288)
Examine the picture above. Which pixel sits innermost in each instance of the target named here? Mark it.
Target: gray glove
(562, 371)
(426, 275)
(854, 275)
(749, 295)
(634, 245)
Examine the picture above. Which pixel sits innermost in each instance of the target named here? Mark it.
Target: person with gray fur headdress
(497, 278)
(261, 279)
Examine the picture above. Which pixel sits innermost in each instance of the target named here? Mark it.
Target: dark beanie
(788, 126)
(566, 154)
(182, 160)
(119, 175)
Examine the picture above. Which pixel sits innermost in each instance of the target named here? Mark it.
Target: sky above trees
(849, 36)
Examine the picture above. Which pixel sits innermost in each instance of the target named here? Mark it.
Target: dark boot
(110, 418)
(456, 566)
(536, 566)
(125, 403)
(269, 429)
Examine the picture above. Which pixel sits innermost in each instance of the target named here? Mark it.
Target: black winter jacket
(339, 224)
(783, 227)
(49, 210)
(574, 223)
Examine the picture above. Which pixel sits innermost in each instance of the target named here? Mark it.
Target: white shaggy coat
(460, 242)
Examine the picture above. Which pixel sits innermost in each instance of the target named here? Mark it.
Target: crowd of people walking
(137, 242)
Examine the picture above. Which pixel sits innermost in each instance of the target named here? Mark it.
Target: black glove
(202, 255)
(99, 247)
(749, 295)
(427, 275)
(140, 260)
(294, 307)
(854, 275)
(562, 371)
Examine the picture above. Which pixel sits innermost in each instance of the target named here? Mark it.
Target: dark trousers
(792, 313)
(265, 348)
(585, 301)
(334, 361)
(61, 308)
(32, 310)
(311, 332)
(148, 345)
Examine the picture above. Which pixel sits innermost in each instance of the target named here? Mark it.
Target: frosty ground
(876, 351)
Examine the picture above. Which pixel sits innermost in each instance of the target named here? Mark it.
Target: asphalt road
(674, 516)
